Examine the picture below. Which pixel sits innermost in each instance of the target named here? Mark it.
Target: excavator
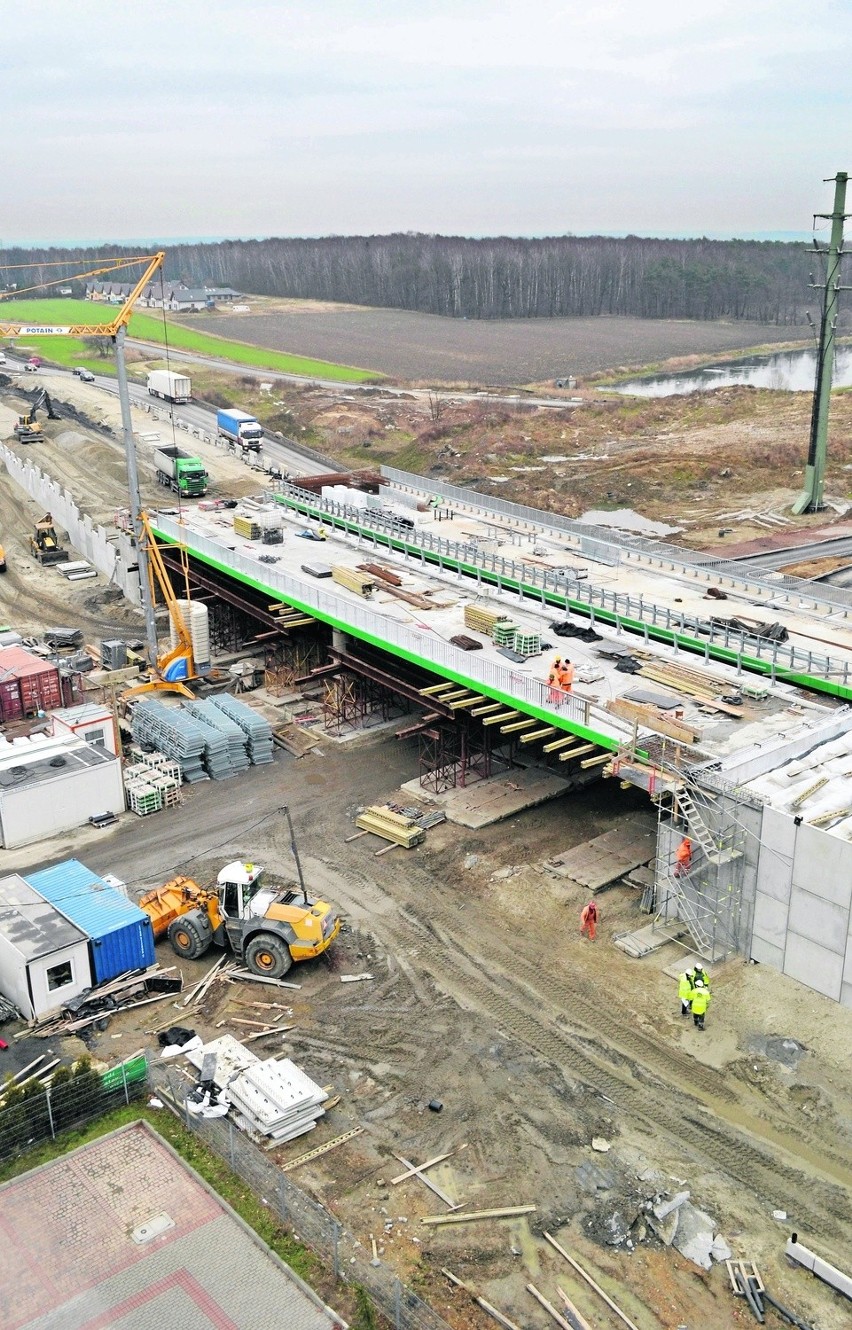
(30, 430)
(267, 928)
(44, 542)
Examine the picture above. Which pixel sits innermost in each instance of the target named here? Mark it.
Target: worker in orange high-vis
(553, 680)
(566, 676)
(589, 920)
(683, 857)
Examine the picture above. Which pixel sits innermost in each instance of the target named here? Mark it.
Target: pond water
(788, 371)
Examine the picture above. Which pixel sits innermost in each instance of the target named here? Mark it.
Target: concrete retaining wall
(112, 553)
(802, 922)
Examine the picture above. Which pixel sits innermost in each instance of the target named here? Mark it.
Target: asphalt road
(772, 560)
(286, 455)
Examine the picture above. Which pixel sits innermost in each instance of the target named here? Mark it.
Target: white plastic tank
(183, 606)
(199, 629)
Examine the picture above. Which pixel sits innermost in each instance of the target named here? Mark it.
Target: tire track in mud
(638, 1090)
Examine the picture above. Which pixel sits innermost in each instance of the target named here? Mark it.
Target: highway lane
(287, 455)
(773, 560)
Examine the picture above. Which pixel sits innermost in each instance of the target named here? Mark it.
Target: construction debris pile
(273, 1098)
(137, 988)
(208, 740)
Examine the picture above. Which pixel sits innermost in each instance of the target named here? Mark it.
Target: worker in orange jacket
(566, 676)
(683, 857)
(589, 920)
(553, 680)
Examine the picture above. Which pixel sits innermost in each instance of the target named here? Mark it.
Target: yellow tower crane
(151, 567)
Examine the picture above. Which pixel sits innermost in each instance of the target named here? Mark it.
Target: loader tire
(188, 939)
(267, 955)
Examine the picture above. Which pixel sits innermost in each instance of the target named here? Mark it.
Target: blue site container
(120, 934)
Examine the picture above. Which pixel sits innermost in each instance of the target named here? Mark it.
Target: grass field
(150, 328)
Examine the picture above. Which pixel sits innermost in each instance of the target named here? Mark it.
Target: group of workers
(693, 989)
(561, 678)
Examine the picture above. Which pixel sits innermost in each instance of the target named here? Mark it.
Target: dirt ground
(536, 1041)
(494, 352)
(484, 995)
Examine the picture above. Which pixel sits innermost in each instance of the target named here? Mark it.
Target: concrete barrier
(112, 553)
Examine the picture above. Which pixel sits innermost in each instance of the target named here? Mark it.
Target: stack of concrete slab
(277, 1099)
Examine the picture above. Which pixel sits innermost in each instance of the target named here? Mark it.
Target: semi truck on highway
(168, 385)
(180, 471)
(240, 429)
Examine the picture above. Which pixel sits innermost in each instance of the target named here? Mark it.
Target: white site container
(44, 958)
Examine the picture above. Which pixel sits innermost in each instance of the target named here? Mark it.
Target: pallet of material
(391, 826)
(482, 620)
(245, 527)
(383, 574)
(317, 569)
(353, 580)
(465, 643)
(652, 719)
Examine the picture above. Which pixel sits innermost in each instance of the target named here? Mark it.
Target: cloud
(304, 118)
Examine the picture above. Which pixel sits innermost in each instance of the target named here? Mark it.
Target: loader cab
(242, 894)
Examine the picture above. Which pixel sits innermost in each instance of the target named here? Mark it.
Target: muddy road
(485, 997)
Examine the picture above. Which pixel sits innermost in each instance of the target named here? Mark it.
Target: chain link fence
(32, 1113)
(308, 1221)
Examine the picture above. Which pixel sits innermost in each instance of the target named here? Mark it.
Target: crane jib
(45, 329)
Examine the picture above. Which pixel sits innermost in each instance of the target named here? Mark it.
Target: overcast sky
(167, 118)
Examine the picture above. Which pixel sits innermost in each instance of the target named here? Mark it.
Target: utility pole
(811, 498)
(135, 499)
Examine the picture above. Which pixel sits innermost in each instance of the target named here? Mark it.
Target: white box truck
(168, 385)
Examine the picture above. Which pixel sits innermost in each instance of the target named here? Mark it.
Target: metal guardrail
(422, 648)
(559, 588)
(688, 562)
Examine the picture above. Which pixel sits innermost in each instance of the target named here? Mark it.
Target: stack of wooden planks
(353, 580)
(394, 827)
(244, 526)
(653, 719)
(703, 687)
(482, 620)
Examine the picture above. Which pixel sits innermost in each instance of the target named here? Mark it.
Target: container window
(58, 976)
(96, 737)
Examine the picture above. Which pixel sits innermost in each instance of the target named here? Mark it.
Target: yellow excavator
(267, 928)
(30, 430)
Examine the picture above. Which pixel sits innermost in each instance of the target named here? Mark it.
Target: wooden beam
(508, 1213)
(457, 692)
(535, 735)
(516, 726)
(652, 720)
(465, 702)
(427, 1182)
(576, 752)
(419, 1168)
(560, 743)
(597, 761)
(582, 1323)
(487, 711)
(498, 720)
(588, 1278)
(549, 1307)
(435, 688)
(486, 1306)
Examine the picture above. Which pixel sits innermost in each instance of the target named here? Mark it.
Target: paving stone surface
(68, 1260)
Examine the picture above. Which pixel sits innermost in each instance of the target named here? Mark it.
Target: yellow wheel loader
(267, 928)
